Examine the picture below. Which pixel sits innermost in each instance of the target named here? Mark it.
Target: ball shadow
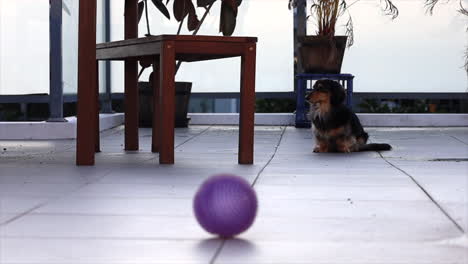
(235, 245)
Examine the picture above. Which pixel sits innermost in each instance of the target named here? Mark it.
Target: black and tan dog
(336, 127)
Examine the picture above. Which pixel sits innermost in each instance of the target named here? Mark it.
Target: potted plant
(182, 9)
(324, 51)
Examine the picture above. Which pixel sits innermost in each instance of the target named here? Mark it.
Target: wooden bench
(165, 50)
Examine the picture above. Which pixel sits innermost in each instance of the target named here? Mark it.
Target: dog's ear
(338, 94)
(319, 85)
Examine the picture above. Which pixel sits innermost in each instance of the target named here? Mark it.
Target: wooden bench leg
(167, 95)
(131, 78)
(85, 137)
(247, 105)
(131, 105)
(155, 145)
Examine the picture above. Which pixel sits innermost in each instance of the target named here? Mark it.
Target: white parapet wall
(414, 120)
(53, 130)
(67, 130)
(275, 119)
(369, 120)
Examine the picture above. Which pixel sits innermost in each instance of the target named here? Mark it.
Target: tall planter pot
(321, 54)
(182, 99)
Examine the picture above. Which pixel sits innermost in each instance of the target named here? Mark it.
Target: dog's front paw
(344, 150)
(320, 149)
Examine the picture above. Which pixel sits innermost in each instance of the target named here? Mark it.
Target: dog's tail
(374, 147)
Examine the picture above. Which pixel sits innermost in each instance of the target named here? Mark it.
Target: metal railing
(56, 98)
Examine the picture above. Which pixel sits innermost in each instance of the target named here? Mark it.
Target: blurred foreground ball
(225, 205)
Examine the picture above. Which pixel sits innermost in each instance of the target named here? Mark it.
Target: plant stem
(194, 32)
(147, 19)
(203, 18)
(141, 72)
(352, 4)
(180, 26)
(148, 34)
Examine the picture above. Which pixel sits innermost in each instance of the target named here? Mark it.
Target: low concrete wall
(233, 119)
(53, 130)
(414, 120)
(370, 120)
(67, 130)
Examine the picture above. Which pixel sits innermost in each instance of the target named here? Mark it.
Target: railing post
(106, 106)
(300, 30)
(55, 61)
(349, 90)
(301, 119)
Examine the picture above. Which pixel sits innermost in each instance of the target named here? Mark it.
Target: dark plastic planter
(322, 54)
(182, 98)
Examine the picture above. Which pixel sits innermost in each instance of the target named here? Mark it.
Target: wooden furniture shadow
(165, 50)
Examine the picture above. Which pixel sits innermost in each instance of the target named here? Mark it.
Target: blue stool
(345, 79)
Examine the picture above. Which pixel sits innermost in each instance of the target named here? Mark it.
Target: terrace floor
(408, 205)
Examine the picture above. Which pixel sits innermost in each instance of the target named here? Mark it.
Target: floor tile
(105, 251)
(409, 207)
(339, 253)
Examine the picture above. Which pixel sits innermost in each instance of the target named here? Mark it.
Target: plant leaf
(228, 18)
(161, 7)
(193, 21)
(232, 4)
(145, 62)
(204, 3)
(390, 9)
(462, 9)
(141, 8)
(180, 9)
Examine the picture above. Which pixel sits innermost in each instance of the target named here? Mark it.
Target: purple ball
(225, 205)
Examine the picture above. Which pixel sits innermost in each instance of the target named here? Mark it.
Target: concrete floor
(408, 205)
